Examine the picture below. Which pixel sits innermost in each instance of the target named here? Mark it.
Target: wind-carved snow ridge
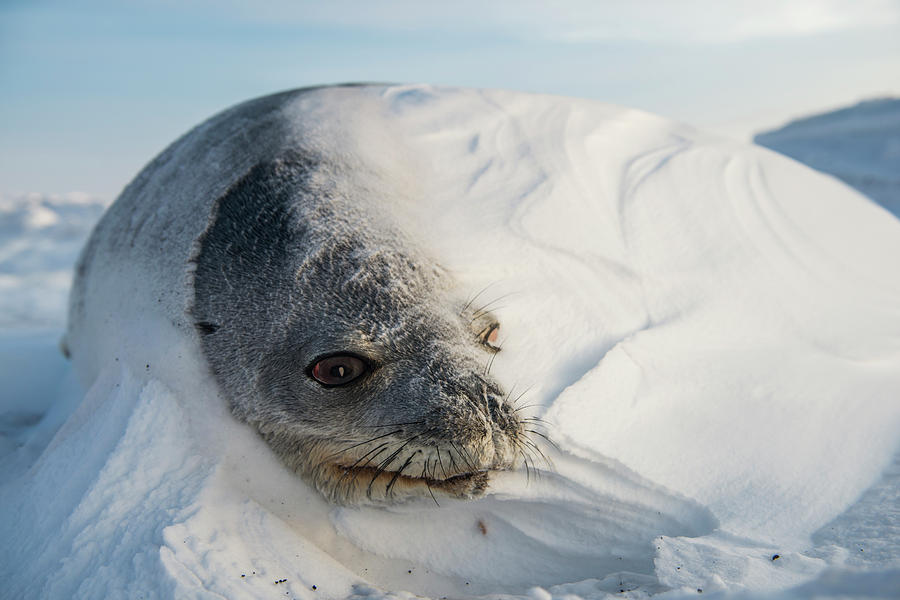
(709, 330)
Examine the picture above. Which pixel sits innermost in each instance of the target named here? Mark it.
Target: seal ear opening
(206, 328)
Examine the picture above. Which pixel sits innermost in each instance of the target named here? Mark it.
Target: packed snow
(711, 330)
(860, 145)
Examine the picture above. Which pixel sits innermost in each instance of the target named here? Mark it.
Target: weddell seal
(273, 235)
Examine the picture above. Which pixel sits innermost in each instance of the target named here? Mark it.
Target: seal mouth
(402, 464)
(380, 484)
(372, 472)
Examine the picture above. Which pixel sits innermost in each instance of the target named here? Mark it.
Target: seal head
(331, 333)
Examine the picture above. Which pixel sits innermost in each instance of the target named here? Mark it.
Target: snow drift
(711, 330)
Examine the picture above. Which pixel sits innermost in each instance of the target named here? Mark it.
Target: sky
(91, 90)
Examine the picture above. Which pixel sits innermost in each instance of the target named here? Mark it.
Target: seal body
(273, 236)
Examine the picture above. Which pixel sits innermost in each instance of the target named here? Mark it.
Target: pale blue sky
(90, 90)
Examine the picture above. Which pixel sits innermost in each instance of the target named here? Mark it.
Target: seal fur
(290, 270)
(297, 260)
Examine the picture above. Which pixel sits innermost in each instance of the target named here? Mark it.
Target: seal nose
(501, 413)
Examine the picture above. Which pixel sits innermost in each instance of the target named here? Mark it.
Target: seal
(272, 236)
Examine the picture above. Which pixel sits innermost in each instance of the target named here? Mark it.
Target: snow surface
(860, 145)
(712, 330)
(39, 238)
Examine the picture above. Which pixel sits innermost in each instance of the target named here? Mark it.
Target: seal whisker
(393, 455)
(535, 470)
(452, 462)
(519, 397)
(528, 449)
(381, 468)
(478, 315)
(536, 422)
(425, 474)
(490, 364)
(475, 297)
(469, 460)
(380, 449)
(466, 458)
(537, 449)
(360, 444)
(357, 470)
(354, 469)
(486, 307)
(536, 419)
(509, 393)
(551, 442)
(437, 449)
(387, 490)
(424, 477)
(527, 469)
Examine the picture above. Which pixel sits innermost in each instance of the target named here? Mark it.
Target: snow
(39, 238)
(860, 145)
(711, 329)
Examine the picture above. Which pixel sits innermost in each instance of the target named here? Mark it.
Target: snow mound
(711, 330)
(860, 145)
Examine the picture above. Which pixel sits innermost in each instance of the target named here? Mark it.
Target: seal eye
(489, 336)
(337, 370)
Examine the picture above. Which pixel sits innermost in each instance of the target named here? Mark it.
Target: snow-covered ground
(712, 330)
(40, 236)
(859, 145)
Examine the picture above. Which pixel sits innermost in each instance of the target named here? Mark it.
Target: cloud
(585, 21)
